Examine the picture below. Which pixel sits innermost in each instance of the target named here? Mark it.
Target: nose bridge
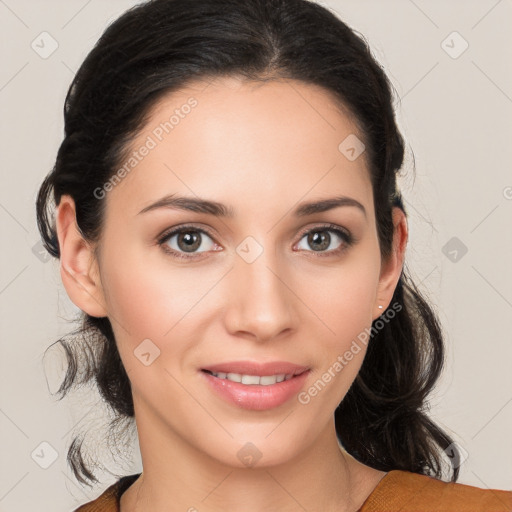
(261, 303)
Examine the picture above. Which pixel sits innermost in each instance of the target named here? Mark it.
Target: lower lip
(257, 397)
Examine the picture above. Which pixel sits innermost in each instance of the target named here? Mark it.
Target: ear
(78, 266)
(392, 268)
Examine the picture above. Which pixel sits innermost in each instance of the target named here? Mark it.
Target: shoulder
(403, 490)
(108, 501)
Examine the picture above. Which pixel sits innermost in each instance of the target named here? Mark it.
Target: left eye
(320, 239)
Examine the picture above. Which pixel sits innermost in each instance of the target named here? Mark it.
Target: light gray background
(455, 113)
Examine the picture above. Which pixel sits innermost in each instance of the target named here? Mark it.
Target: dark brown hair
(158, 47)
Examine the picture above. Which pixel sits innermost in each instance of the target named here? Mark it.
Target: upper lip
(257, 369)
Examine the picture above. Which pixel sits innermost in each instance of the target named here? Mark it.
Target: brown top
(396, 491)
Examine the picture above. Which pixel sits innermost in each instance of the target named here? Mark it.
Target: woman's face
(259, 283)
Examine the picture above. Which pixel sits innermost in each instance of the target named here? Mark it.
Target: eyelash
(347, 238)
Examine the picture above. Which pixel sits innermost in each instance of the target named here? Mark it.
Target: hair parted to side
(160, 46)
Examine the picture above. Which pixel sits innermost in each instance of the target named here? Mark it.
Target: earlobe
(392, 268)
(78, 265)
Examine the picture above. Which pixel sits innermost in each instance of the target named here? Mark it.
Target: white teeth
(250, 379)
(266, 380)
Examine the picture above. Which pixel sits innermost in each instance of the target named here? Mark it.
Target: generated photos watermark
(151, 142)
(304, 397)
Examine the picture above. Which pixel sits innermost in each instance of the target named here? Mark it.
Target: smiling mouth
(252, 380)
(256, 392)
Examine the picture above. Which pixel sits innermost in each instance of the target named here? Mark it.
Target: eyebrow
(199, 205)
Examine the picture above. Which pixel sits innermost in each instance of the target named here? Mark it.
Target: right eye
(183, 242)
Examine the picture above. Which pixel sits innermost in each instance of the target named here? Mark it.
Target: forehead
(235, 140)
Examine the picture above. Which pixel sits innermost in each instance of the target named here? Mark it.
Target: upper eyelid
(168, 233)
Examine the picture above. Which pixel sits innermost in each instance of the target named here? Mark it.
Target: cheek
(343, 303)
(345, 309)
(343, 299)
(149, 302)
(150, 297)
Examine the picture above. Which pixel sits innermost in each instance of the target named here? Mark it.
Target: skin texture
(261, 149)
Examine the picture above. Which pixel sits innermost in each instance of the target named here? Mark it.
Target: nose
(260, 303)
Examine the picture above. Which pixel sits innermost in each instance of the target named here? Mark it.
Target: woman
(228, 221)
